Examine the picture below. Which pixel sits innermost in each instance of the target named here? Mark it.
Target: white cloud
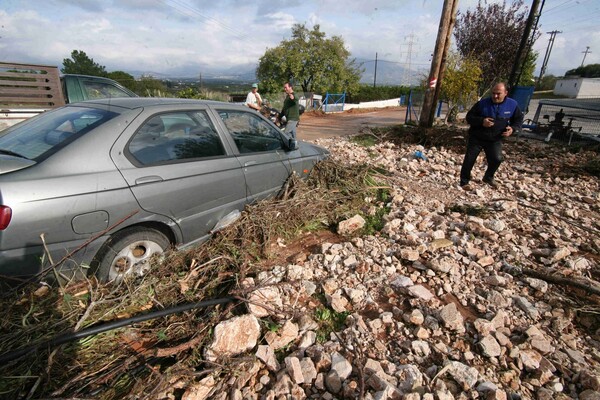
(164, 36)
(278, 22)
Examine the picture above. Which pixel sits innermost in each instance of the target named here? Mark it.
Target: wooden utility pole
(438, 87)
(437, 63)
(523, 52)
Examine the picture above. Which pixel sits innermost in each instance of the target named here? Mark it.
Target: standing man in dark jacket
(491, 120)
(290, 110)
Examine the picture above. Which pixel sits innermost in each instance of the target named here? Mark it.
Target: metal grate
(581, 113)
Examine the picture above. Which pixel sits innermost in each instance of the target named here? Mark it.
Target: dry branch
(559, 280)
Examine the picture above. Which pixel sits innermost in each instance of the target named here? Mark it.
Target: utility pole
(585, 53)
(523, 51)
(375, 75)
(547, 56)
(442, 45)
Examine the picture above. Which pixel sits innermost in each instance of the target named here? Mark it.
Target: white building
(578, 88)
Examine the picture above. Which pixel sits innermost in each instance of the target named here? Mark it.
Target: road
(314, 125)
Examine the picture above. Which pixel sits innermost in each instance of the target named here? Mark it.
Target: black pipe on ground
(94, 330)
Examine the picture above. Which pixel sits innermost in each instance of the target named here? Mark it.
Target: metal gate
(334, 102)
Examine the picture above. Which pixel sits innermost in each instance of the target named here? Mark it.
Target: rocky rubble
(432, 312)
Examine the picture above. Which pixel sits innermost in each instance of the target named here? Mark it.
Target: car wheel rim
(134, 259)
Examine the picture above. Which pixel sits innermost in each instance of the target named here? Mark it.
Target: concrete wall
(374, 104)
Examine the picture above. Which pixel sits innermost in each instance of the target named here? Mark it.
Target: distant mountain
(244, 72)
(388, 73)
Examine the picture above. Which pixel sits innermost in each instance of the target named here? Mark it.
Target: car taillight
(5, 214)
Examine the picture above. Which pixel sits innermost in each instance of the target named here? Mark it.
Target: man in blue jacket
(491, 120)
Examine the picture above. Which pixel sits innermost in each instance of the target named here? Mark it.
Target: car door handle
(148, 179)
(249, 163)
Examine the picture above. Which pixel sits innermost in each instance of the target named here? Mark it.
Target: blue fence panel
(334, 102)
(522, 94)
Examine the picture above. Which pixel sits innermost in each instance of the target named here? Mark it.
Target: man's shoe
(491, 182)
(466, 187)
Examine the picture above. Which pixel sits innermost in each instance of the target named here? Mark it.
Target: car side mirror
(292, 144)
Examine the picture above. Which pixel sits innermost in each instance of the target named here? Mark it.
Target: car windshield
(41, 136)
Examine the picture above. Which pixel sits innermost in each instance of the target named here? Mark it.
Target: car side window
(101, 90)
(251, 133)
(176, 136)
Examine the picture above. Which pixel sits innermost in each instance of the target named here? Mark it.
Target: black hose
(93, 330)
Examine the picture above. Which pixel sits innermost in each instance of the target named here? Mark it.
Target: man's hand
(488, 122)
(508, 131)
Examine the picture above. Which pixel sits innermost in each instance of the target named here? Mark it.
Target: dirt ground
(314, 124)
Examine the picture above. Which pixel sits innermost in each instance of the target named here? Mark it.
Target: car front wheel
(129, 252)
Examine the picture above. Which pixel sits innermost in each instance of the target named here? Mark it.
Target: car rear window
(43, 135)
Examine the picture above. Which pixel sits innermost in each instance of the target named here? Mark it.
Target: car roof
(138, 102)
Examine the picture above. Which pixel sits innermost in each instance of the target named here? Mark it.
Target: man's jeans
(290, 128)
(493, 155)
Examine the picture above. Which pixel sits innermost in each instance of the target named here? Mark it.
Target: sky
(200, 37)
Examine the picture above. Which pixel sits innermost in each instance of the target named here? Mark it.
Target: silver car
(108, 183)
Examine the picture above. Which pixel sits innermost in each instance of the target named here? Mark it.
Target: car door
(177, 165)
(260, 149)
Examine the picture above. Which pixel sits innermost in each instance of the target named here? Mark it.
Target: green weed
(329, 321)
(364, 140)
(375, 223)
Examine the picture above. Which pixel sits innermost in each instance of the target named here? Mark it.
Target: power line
(562, 10)
(186, 9)
(588, 17)
(392, 62)
(558, 6)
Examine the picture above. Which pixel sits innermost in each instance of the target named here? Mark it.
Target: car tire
(128, 252)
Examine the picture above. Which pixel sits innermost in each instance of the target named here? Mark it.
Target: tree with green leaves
(587, 71)
(548, 82)
(149, 86)
(80, 63)
(311, 60)
(527, 77)
(124, 79)
(491, 34)
(461, 83)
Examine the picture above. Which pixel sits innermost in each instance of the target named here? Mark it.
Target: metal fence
(414, 106)
(334, 102)
(581, 115)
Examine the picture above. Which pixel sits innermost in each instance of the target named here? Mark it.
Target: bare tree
(491, 34)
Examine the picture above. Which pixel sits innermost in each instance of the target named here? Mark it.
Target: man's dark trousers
(493, 155)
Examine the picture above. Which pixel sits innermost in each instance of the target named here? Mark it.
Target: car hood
(12, 163)
(308, 148)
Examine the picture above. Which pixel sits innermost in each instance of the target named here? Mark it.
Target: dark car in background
(108, 183)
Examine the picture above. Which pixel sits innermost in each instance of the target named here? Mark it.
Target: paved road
(313, 126)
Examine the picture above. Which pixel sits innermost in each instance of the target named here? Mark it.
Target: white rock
(490, 347)
(351, 225)
(420, 292)
(340, 366)
(234, 336)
